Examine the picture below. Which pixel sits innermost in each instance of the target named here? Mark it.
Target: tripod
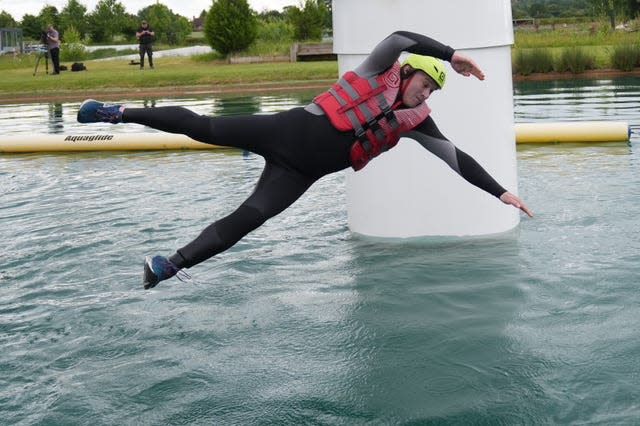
(42, 53)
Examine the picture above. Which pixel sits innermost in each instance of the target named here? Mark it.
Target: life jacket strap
(385, 107)
(369, 108)
(388, 113)
(357, 101)
(351, 116)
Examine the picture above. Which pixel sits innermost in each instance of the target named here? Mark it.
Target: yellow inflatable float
(99, 142)
(583, 131)
(573, 131)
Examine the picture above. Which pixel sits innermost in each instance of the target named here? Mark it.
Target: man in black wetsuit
(362, 115)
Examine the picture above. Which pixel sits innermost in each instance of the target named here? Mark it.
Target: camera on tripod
(43, 52)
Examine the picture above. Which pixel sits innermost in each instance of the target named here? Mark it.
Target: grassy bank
(596, 35)
(575, 49)
(170, 74)
(548, 51)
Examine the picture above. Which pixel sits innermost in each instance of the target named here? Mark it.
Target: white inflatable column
(408, 192)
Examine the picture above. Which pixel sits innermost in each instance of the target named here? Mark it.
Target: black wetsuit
(299, 146)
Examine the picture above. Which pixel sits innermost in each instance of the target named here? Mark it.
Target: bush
(309, 21)
(625, 57)
(230, 26)
(528, 61)
(72, 49)
(275, 31)
(73, 52)
(576, 60)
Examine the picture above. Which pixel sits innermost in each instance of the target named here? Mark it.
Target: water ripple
(308, 324)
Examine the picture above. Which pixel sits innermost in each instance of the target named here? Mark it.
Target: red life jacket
(366, 106)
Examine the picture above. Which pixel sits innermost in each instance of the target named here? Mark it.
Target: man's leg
(259, 133)
(256, 133)
(276, 190)
(150, 54)
(55, 59)
(141, 51)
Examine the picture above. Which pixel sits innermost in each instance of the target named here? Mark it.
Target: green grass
(267, 48)
(626, 57)
(527, 61)
(530, 60)
(575, 59)
(598, 35)
(600, 48)
(118, 75)
(577, 47)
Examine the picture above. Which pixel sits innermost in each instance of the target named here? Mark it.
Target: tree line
(108, 21)
(614, 10)
(229, 25)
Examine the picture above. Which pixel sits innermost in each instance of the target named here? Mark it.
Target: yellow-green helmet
(432, 66)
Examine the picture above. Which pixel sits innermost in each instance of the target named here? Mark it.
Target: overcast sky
(186, 8)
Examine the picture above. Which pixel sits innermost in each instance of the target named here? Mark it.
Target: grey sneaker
(159, 268)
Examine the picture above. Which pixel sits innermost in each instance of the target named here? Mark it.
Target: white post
(408, 192)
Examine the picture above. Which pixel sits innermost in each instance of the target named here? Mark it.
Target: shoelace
(107, 113)
(183, 276)
(168, 269)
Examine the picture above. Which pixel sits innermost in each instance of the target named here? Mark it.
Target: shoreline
(172, 91)
(589, 74)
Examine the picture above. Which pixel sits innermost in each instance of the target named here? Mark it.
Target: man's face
(418, 90)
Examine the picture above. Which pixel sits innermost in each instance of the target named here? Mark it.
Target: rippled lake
(302, 322)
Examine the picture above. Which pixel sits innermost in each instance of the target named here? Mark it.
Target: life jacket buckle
(391, 117)
(374, 126)
(363, 139)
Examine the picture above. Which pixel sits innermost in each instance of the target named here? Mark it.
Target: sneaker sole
(149, 279)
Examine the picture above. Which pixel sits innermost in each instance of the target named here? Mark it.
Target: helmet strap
(406, 75)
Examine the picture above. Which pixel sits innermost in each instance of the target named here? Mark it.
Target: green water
(302, 322)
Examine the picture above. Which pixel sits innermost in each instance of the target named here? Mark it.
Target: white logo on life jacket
(392, 79)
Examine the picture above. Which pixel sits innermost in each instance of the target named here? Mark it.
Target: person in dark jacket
(145, 37)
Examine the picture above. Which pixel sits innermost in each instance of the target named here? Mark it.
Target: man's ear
(406, 70)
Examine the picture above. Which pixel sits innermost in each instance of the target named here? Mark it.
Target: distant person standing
(145, 36)
(53, 47)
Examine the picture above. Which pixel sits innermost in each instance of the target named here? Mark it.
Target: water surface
(302, 322)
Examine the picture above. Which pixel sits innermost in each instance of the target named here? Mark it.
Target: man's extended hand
(466, 66)
(509, 198)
